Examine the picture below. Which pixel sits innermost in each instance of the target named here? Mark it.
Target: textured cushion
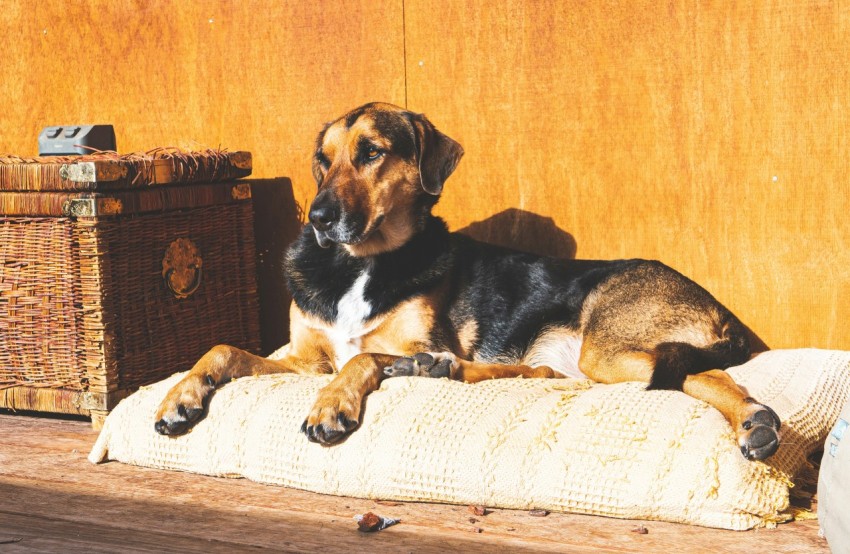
(564, 444)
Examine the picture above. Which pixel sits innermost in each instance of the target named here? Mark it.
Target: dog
(381, 288)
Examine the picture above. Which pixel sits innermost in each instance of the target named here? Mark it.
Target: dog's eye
(373, 154)
(322, 159)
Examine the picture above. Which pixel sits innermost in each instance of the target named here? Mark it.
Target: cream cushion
(558, 444)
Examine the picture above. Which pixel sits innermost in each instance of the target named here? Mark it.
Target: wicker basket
(118, 271)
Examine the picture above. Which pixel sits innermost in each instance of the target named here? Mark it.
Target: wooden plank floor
(53, 500)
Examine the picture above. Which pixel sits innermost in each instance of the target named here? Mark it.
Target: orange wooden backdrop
(710, 135)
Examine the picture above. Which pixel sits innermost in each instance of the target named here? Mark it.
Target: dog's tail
(674, 361)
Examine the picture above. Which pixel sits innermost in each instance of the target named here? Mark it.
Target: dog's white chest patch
(350, 325)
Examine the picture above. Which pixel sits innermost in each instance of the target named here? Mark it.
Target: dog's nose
(323, 217)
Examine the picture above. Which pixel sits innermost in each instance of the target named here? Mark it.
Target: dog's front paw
(758, 436)
(334, 415)
(183, 405)
(424, 364)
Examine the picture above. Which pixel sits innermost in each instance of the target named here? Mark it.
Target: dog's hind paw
(423, 364)
(758, 437)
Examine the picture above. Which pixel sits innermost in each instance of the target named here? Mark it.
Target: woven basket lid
(111, 171)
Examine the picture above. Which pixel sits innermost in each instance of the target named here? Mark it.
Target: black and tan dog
(381, 288)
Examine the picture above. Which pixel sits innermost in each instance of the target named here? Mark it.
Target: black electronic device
(65, 140)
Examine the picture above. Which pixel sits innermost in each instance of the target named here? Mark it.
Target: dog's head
(380, 169)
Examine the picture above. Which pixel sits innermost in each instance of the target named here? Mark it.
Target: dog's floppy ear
(437, 154)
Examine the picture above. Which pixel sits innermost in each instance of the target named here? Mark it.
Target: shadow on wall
(277, 222)
(526, 231)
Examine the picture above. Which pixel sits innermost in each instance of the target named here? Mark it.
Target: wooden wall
(710, 135)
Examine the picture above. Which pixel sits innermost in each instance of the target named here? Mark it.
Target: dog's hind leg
(756, 425)
(652, 324)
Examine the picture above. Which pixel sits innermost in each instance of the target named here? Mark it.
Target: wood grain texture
(61, 502)
(712, 136)
(258, 75)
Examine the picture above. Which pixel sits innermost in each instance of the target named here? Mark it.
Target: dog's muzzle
(323, 219)
(324, 215)
(332, 224)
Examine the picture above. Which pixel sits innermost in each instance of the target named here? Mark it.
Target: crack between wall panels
(404, 50)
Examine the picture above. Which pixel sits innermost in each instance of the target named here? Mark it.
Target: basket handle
(183, 292)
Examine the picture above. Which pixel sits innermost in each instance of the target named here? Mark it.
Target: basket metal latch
(92, 207)
(182, 268)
